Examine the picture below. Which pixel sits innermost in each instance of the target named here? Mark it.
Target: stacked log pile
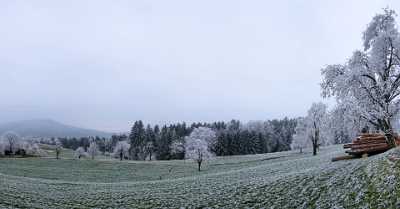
(365, 145)
(368, 144)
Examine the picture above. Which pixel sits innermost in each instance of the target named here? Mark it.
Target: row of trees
(232, 138)
(12, 144)
(197, 146)
(322, 127)
(103, 143)
(148, 142)
(120, 150)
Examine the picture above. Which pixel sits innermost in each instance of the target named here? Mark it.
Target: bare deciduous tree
(311, 131)
(12, 142)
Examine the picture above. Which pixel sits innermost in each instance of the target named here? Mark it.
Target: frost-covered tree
(312, 129)
(371, 77)
(121, 149)
(345, 122)
(177, 148)
(12, 142)
(93, 150)
(2, 147)
(198, 143)
(256, 126)
(80, 152)
(31, 148)
(301, 137)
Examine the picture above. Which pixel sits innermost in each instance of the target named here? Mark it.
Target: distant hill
(48, 128)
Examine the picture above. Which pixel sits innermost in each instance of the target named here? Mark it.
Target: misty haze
(199, 104)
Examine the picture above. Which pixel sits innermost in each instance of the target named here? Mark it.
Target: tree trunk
(315, 149)
(390, 139)
(120, 156)
(388, 130)
(11, 150)
(105, 147)
(315, 140)
(199, 164)
(301, 150)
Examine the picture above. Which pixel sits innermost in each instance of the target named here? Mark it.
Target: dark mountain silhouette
(48, 128)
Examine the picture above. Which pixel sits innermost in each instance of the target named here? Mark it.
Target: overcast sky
(104, 64)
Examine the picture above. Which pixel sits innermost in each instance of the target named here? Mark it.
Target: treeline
(255, 137)
(167, 142)
(74, 143)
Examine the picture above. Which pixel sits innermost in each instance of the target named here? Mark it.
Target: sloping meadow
(277, 180)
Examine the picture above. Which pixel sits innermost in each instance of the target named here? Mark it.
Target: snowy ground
(277, 180)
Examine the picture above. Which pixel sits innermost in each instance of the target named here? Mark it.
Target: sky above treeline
(104, 64)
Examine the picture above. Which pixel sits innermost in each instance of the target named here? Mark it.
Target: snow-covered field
(276, 180)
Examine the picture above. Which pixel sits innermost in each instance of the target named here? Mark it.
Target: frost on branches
(371, 77)
(31, 148)
(346, 122)
(198, 143)
(93, 149)
(312, 131)
(80, 152)
(121, 149)
(177, 148)
(11, 142)
(300, 138)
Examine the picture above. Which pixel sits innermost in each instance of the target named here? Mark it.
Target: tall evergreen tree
(137, 140)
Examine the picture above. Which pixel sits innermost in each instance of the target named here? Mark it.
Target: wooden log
(346, 157)
(359, 139)
(372, 143)
(369, 149)
(345, 146)
(370, 134)
(376, 149)
(372, 138)
(368, 142)
(369, 145)
(393, 159)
